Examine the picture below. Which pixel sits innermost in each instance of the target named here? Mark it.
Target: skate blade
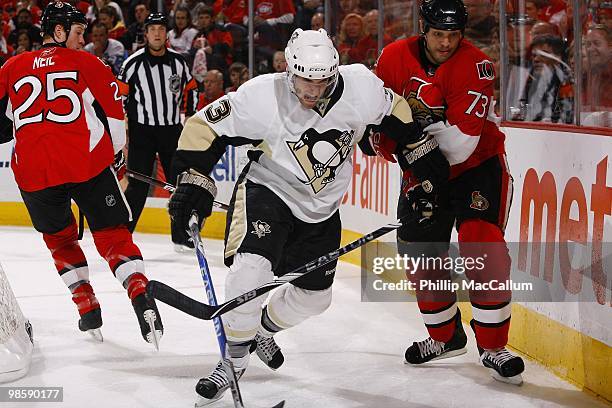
(202, 402)
(453, 353)
(96, 334)
(154, 335)
(514, 380)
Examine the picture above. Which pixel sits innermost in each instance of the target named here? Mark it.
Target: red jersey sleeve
(386, 68)
(104, 97)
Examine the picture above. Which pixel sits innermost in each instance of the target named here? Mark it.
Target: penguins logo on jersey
(320, 155)
(425, 101)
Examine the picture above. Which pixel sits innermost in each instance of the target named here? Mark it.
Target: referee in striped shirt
(156, 84)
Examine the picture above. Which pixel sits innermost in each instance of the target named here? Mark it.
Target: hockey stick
(166, 186)
(194, 230)
(200, 310)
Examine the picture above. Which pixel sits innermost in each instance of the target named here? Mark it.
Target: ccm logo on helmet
(315, 69)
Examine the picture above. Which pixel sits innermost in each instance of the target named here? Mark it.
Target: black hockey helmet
(54, 14)
(77, 17)
(443, 15)
(156, 18)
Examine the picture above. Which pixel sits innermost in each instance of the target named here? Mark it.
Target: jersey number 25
(52, 93)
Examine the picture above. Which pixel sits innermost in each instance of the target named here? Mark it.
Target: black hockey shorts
(259, 222)
(100, 198)
(483, 192)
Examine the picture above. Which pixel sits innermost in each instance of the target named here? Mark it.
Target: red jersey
(273, 8)
(464, 84)
(234, 10)
(66, 115)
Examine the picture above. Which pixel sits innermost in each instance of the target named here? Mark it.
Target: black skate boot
(149, 319)
(503, 365)
(212, 388)
(267, 351)
(90, 319)
(429, 349)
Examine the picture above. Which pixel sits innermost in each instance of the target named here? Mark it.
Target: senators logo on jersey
(320, 155)
(425, 101)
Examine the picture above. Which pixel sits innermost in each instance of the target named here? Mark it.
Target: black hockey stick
(166, 186)
(184, 303)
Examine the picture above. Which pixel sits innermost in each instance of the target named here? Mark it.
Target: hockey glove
(194, 192)
(426, 161)
(119, 165)
(423, 204)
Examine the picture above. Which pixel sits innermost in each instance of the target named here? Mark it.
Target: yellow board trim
(566, 352)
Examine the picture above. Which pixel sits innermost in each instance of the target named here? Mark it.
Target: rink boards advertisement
(562, 192)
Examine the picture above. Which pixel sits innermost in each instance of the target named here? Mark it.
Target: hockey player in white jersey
(304, 125)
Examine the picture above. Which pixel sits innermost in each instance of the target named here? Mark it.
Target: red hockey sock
(123, 256)
(67, 255)
(85, 299)
(137, 284)
(439, 318)
(491, 309)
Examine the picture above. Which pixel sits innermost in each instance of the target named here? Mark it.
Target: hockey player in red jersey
(445, 77)
(65, 114)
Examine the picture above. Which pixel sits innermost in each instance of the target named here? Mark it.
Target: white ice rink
(351, 356)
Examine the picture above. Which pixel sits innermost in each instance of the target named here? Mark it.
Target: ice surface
(351, 356)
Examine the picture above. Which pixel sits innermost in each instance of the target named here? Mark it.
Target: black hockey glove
(423, 204)
(426, 162)
(194, 192)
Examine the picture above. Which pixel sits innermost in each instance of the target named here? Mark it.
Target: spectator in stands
(481, 28)
(366, 50)
(604, 15)
(518, 40)
(236, 72)
(231, 11)
(351, 31)
(317, 21)
(109, 17)
(94, 9)
(31, 6)
(6, 50)
(597, 69)
(279, 63)
(134, 37)
(182, 35)
(548, 92)
(531, 10)
(23, 22)
(272, 23)
(305, 10)
(107, 49)
(218, 44)
(213, 88)
(24, 42)
(543, 28)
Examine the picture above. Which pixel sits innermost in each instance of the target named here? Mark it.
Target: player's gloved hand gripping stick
(200, 310)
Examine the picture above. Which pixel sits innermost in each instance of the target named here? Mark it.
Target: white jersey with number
(306, 154)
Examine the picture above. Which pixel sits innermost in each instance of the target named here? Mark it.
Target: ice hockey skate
(212, 388)
(429, 349)
(149, 319)
(90, 319)
(268, 351)
(503, 365)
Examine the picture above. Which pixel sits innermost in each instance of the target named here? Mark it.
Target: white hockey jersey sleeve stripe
(454, 144)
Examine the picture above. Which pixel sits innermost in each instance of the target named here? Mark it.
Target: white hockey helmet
(311, 54)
